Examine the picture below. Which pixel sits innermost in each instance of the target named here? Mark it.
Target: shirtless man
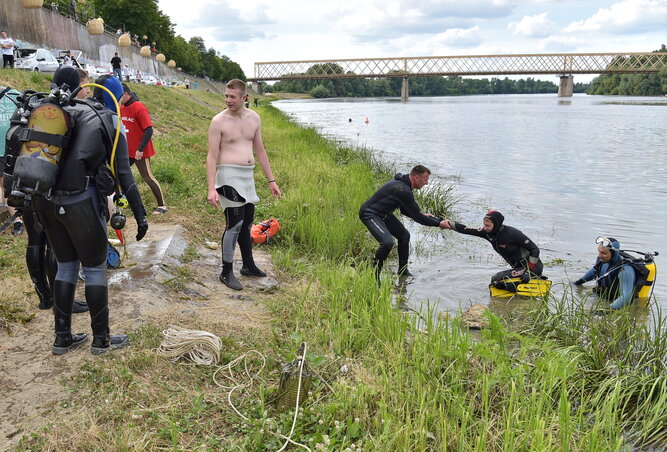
(234, 141)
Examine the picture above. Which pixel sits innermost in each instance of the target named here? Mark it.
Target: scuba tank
(38, 135)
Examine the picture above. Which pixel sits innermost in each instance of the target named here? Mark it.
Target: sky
(250, 31)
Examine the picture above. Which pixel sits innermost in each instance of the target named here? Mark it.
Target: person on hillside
(7, 45)
(513, 245)
(74, 217)
(234, 142)
(614, 278)
(377, 215)
(139, 130)
(115, 64)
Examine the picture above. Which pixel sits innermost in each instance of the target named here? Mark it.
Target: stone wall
(43, 28)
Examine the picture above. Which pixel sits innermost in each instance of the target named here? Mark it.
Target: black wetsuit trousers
(384, 230)
(39, 258)
(499, 280)
(239, 221)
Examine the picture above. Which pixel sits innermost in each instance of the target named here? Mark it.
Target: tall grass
(553, 378)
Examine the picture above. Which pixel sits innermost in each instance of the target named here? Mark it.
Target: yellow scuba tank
(646, 290)
(534, 288)
(42, 136)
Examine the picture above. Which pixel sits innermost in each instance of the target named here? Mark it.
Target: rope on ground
(229, 375)
(200, 347)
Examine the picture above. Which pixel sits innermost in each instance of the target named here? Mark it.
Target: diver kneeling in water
(74, 216)
(614, 277)
(512, 245)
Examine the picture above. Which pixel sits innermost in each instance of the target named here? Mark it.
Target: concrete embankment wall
(43, 28)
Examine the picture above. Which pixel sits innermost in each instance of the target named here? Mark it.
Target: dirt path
(140, 292)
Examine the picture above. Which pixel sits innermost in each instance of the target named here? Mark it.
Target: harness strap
(43, 137)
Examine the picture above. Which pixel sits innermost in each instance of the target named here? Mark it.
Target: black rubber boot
(97, 298)
(79, 307)
(63, 299)
(111, 342)
(250, 269)
(227, 277)
(403, 271)
(34, 259)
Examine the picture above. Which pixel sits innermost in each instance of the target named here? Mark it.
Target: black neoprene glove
(134, 198)
(579, 282)
(142, 227)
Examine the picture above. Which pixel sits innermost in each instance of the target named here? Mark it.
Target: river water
(562, 170)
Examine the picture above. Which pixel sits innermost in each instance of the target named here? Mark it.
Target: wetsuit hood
(404, 177)
(497, 219)
(615, 250)
(66, 75)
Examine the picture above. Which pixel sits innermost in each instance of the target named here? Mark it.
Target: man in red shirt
(139, 130)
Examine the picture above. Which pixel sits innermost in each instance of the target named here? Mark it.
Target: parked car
(38, 60)
(101, 70)
(148, 80)
(76, 56)
(91, 70)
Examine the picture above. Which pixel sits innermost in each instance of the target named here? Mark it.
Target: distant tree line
(144, 18)
(632, 84)
(418, 86)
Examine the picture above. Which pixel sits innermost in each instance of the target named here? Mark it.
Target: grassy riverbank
(556, 379)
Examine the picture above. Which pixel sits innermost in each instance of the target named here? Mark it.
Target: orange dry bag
(261, 232)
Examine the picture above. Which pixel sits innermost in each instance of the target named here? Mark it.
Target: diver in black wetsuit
(376, 214)
(74, 217)
(513, 245)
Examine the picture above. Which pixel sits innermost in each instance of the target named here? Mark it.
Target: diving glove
(142, 227)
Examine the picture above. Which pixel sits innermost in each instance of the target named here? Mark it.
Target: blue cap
(112, 84)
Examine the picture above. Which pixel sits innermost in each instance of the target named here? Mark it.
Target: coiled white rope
(200, 347)
(229, 375)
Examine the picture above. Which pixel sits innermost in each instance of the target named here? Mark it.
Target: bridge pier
(404, 89)
(566, 87)
(257, 87)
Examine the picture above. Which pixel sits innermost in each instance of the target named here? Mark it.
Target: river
(562, 170)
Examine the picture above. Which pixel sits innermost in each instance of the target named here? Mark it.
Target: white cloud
(629, 16)
(459, 37)
(534, 26)
(560, 44)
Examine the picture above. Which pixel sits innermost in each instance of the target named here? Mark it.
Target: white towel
(241, 179)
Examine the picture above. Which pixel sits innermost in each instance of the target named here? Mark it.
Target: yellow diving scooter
(536, 287)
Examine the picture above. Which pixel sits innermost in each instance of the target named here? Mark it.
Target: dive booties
(64, 298)
(250, 269)
(227, 277)
(79, 307)
(98, 302)
(111, 342)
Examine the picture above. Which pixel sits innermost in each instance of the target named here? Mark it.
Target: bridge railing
(565, 64)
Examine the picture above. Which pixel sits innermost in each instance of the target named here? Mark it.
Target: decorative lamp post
(145, 51)
(95, 26)
(171, 64)
(160, 57)
(124, 40)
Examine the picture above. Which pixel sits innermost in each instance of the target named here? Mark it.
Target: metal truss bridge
(564, 65)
